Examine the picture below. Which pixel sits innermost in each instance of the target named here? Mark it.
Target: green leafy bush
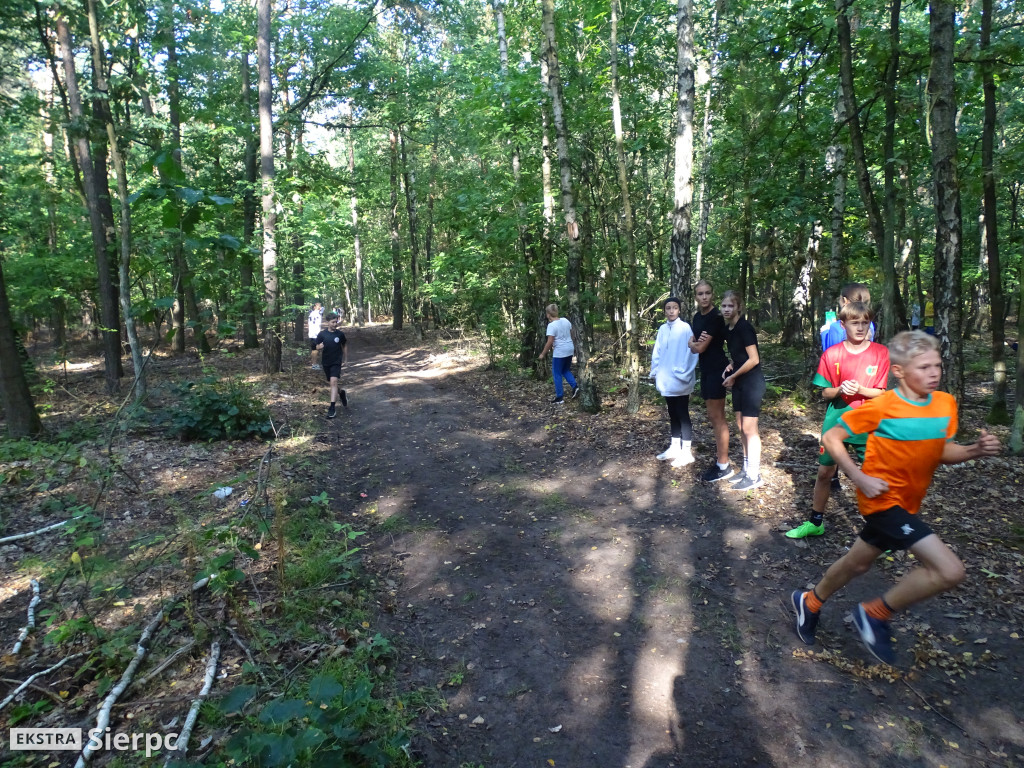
(218, 410)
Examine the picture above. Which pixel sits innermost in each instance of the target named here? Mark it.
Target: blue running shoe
(806, 620)
(875, 635)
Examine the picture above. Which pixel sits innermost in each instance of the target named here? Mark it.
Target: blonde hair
(856, 310)
(701, 282)
(551, 309)
(907, 345)
(737, 300)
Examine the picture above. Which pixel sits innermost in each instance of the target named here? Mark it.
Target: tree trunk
(547, 248)
(109, 321)
(997, 412)
(705, 161)
(573, 271)
(409, 182)
(631, 319)
(397, 298)
(893, 315)
(681, 266)
(250, 335)
(271, 290)
(15, 395)
(124, 294)
(361, 314)
(835, 163)
(948, 221)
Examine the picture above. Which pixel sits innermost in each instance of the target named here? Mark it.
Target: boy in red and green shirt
(850, 373)
(909, 432)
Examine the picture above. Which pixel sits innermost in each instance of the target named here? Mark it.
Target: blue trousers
(559, 369)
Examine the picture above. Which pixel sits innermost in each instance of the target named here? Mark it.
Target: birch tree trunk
(948, 220)
(573, 272)
(632, 321)
(250, 335)
(680, 256)
(893, 317)
(997, 412)
(271, 290)
(109, 321)
(548, 223)
(361, 314)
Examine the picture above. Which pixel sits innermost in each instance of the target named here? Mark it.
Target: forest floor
(571, 601)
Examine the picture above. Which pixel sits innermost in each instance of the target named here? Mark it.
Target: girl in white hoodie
(673, 368)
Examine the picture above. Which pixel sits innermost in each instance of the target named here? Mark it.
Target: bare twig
(103, 719)
(37, 688)
(924, 701)
(181, 746)
(30, 534)
(33, 678)
(31, 618)
(168, 661)
(248, 655)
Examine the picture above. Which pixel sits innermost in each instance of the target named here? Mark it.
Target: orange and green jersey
(869, 367)
(905, 445)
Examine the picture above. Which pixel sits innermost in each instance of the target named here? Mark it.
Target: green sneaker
(805, 529)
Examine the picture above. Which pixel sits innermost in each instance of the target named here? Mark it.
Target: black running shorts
(894, 528)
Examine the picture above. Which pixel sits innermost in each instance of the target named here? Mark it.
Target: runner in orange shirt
(910, 432)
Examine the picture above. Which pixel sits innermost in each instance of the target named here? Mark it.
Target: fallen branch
(168, 661)
(37, 675)
(103, 719)
(31, 618)
(248, 655)
(30, 534)
(181, 745)
(57, 699)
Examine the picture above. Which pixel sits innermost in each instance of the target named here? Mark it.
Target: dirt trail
(579, 605)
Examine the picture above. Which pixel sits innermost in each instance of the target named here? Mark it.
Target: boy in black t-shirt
(334, 354)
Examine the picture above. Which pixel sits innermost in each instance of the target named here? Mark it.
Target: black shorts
(711, 387)
(332, 370)
(747, 396)
(894, 528)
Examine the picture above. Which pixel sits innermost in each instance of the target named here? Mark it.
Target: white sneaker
(668, 453)
(682, 459)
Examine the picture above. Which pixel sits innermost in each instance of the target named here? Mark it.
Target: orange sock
(812, 602)
(878, 609)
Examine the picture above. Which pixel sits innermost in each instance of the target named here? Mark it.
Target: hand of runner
(850, 387)
(870, 486)
(988, 444)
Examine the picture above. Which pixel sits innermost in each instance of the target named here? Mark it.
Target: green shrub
(218, 410)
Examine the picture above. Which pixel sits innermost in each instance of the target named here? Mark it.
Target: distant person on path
(850, 373)
(334, 348)
(708, 340)
(674, 370)
(561, 346)
(746, 380)
(315, 320)
(833, 333)
(910, 431)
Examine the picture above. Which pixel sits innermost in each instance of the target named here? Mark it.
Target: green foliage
(333, 724)
(220, 410)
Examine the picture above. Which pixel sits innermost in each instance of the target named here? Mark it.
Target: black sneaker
(748, 483)
(713, 473)
(557, 401)
(835, 485)
(344, 398)
(806, 620)
(575, 393)
(875, 635)
(331, 412)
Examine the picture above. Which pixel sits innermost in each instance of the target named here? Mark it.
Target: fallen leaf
(556, 729)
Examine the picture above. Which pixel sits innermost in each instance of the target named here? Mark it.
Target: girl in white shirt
(561, 345)
(673, 368)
